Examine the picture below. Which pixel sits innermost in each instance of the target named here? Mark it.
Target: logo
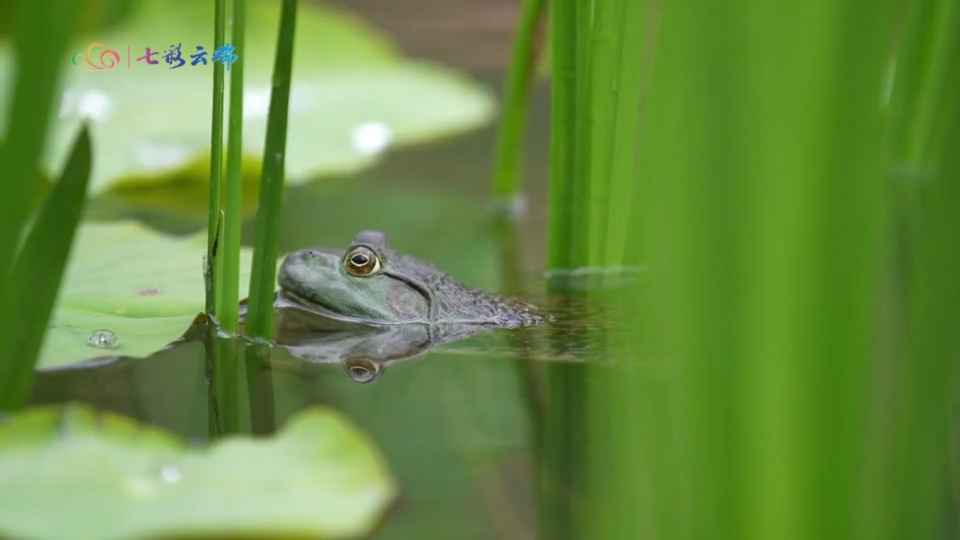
(109, 58)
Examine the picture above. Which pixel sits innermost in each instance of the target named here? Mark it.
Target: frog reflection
(364, 351)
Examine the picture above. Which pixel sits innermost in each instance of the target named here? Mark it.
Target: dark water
(454, 422)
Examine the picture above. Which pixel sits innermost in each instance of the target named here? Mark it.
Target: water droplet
(171, 474)
(371, 137)
(103, 339)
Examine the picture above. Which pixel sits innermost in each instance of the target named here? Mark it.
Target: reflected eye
(361, 262)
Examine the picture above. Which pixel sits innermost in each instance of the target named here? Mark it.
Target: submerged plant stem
(517, 93)
(264, 266)
(228, 311)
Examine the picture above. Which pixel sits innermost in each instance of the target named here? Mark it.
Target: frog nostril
(312, 253)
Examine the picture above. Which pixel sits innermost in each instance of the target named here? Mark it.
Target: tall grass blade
(214, 261)
(517, 93)
(769, 241)
(228, 310)
(42, 31)
(38, 271)
(264, 266)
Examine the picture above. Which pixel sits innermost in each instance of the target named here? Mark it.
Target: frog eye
(361, 262)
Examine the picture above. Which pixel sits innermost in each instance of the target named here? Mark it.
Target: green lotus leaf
(143, 287)
(353, 95)
(71, 473)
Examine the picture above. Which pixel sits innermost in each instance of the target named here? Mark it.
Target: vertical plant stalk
(264, 265)
(563, 131)
(584, 125)
(616, 63)
(228, 310)
(516, 96)
(43, 29)
(39, 269)
(41, 34)
(214, 265)
(770, 228)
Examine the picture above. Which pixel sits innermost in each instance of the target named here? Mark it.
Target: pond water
(455, 421)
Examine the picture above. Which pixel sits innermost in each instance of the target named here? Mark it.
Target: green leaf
(105, 477)
(144, 287)
(29, 80)
(154, 121)
(37, 275)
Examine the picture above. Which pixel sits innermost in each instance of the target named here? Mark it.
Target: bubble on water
(371, 137)
(171, 474)
(103, 339)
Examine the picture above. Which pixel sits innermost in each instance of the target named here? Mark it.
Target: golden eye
(362, 262)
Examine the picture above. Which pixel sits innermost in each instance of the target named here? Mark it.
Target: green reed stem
(38, 272)
(516, 96)
(264, 266)
(616, 61)
(563, 132)
(214, 261)
(42, 30)
(771, 223)
(228, 311)
(584, 125)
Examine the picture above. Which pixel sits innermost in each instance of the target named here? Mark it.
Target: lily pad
(104, 476)
(353, 95)
(144, 287)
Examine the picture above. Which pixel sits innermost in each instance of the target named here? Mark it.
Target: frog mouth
(293, 300)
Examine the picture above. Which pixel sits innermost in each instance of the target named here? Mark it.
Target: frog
(369, 282)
